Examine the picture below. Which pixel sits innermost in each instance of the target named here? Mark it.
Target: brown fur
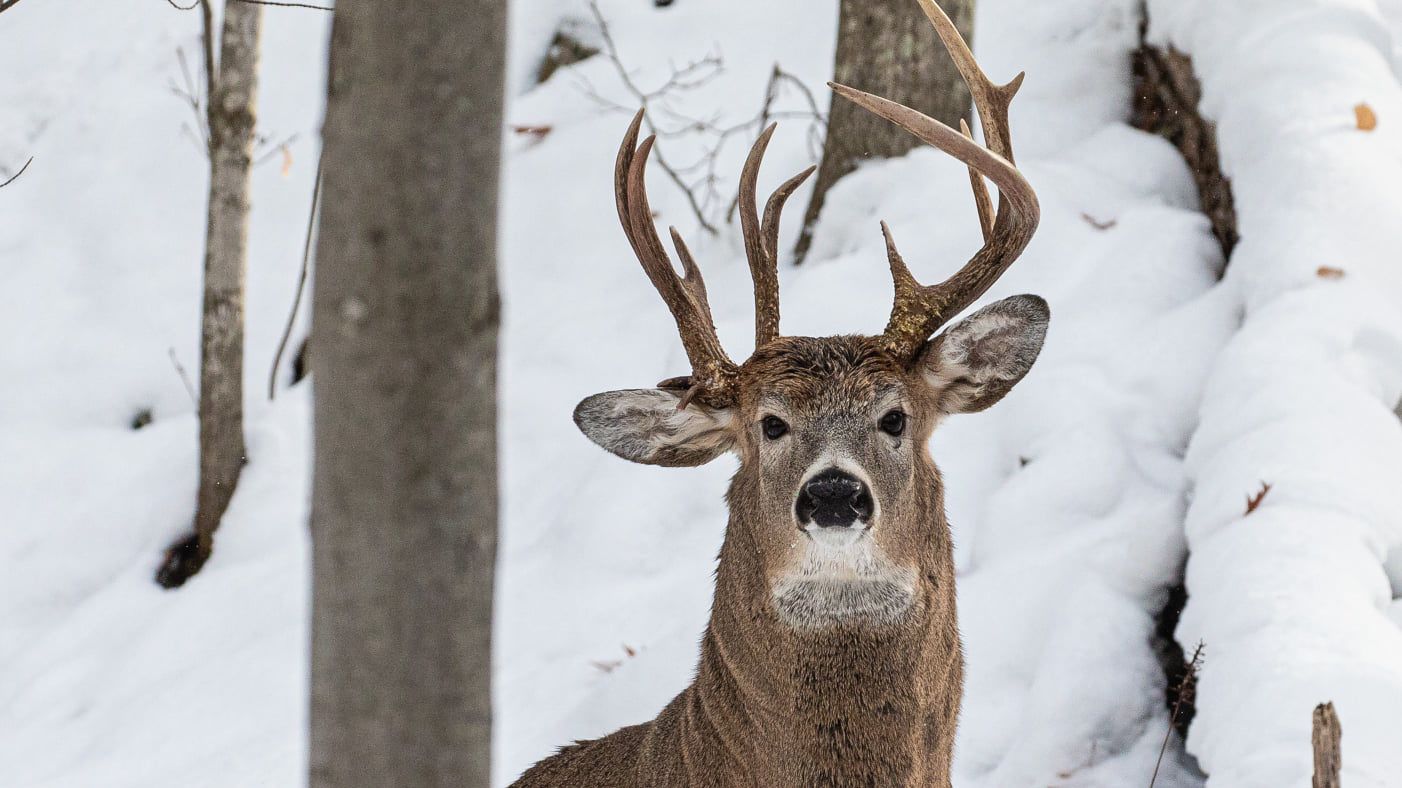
(858, 703)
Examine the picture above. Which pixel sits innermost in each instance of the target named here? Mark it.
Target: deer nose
(833, 499)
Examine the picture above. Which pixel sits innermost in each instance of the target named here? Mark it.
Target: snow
(105, 680)
(1161, 401)
(1293, 599)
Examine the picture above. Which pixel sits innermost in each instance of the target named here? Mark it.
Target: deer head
(836, 492)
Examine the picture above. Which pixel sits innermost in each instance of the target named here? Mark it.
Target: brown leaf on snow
(1254, 501)
(1329, 272)
(606, 666)
(536, 133)
(1097, 224)
(1367, 119)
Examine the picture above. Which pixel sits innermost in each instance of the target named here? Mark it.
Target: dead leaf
(536, 133)
(1254, 501)
(607, 666)
(1329, 272)
(1367, 119)
(1097, 224)
(286, 160)
(629, 650)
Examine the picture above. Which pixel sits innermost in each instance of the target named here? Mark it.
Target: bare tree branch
(289, 5)
(12, 178)
(184, 377)
(698, 179)
(192, 5)
(191, 94)
(6, 5)
(1187, 691)
(301, 284)
(611, 51)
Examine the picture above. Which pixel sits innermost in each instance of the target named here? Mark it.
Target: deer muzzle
(833, 498)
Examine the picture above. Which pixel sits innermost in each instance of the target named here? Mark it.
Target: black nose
(833, 499)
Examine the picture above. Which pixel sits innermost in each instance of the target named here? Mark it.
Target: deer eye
(774, 427)
(893, 423)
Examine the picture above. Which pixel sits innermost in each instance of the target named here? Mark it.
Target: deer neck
(851, 704)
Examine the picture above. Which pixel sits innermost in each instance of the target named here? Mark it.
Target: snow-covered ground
(1162, 400)
(1294, 600)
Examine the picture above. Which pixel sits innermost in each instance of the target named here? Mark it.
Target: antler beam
(713, 374)
(919, 310)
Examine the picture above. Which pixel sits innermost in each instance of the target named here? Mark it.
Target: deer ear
(979, 359)
(644, 425)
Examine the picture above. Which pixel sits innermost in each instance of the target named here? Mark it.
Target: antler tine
(918, 311)
(712, 372)
(982, 201)
(762, 239)
(990, 99)
(691, 273)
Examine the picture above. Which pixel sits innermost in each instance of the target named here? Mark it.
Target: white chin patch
(842, 577)
(835, 538)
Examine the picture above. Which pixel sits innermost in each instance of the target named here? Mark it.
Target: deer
(832, 656)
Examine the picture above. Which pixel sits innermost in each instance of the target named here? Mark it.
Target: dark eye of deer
(893, 423)
(774, 427)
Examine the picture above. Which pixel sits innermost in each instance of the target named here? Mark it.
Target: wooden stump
(1327, 761)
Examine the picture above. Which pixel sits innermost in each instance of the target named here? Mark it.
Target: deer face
(836, 496)
(836, 487)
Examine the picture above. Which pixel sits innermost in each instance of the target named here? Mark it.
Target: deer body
(832, 656)
(843, 708)
(867, 698)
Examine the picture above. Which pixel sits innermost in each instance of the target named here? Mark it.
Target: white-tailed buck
(832, 656)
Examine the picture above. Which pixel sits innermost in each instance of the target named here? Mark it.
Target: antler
(918, 310)
(713, 374)
(762, 240)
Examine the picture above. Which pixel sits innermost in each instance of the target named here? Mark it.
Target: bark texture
(1327, 735)
(405, 315)
(1166, 101)
(886, 47)
(233, 96)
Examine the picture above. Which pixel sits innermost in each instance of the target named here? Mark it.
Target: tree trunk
(405, 315)
(889, 48)
(233, 95)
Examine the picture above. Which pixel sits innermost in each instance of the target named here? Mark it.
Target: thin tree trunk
(232, 97)
(886, 47)
(405, 315)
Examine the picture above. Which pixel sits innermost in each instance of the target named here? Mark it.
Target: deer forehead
(817, 375)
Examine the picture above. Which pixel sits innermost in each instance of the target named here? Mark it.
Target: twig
(1187, 688)
(289, 5)
(301, 285)
(190, 94)
(271, 149)
(192, 5)
(6, 5)
(611, 51)
(184, 378)
(12, 178)
(698, 179)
